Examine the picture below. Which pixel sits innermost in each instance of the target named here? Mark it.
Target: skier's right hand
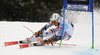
(38, 33)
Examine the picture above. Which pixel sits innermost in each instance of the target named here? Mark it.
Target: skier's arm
(46, 26)
(41, 30)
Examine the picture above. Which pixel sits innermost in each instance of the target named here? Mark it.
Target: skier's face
(55, 23)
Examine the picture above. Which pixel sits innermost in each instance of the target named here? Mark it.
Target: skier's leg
(29, 40)
(48, 41)
(52, 39)
(46, 35)
(33, 38)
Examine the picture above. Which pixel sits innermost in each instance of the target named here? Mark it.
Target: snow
(82, 37)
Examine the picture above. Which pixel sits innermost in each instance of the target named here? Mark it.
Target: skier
(53, 34)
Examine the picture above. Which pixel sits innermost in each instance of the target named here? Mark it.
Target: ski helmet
(55, 16)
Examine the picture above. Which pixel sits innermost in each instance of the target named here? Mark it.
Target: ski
(26, 45)
(66, 44)
(18, 42)
(32, 44)
(11, 43)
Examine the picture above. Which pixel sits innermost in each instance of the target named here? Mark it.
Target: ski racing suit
(53, 34)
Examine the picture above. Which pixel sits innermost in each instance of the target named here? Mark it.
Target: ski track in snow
(12, 31)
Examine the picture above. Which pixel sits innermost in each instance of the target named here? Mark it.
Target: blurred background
(32, 10)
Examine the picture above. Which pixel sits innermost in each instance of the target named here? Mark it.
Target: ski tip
(10, 43)
(5, 43)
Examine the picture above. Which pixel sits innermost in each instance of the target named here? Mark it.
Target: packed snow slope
(82, 37)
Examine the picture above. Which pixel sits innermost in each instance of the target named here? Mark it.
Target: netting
(71, 16)
(77, 16)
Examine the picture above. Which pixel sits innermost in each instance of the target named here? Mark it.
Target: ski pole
(65, 44)
(28, 29)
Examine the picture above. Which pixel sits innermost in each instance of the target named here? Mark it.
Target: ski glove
(37, 34)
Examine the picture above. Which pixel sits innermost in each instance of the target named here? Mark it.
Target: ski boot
(27, 40)
(40, 43)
